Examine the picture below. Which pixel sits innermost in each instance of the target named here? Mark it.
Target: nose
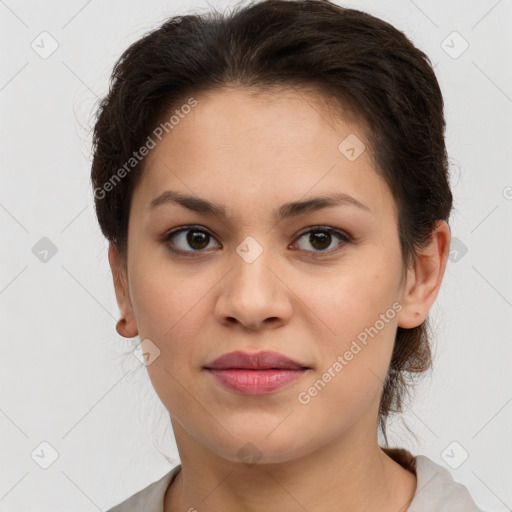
(254, 295)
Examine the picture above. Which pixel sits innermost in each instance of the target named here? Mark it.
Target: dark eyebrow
(286, 210)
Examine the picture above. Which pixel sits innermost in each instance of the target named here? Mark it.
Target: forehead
(236, 143)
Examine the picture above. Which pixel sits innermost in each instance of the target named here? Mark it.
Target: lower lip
(255, 382)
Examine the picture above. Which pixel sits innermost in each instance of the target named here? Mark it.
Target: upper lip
(256, 361)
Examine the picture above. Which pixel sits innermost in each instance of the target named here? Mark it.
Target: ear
(127, 326)
(424, 278)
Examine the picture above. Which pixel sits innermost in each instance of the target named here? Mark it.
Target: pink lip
(254, 374)
(255, 382)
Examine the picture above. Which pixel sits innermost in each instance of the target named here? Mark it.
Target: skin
(251, 154)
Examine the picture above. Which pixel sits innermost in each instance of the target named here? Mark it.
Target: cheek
(350, 300)
(163, 300)
(166, 307)
(169, 307)
(358, 310)
(354, 363)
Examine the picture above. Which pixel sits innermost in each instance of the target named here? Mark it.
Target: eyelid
(166, 238)
(342, 235)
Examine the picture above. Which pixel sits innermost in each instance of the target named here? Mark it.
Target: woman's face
(252, 281)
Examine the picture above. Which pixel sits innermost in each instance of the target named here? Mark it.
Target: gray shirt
(436, 490)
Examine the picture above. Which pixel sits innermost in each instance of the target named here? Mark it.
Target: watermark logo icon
(454, 45)
(454, 455)
(458, 250)
(146, 352)
(44, 45)
(44, 455)
(249, 454)
(44, 250)
(249, 249)
(352, 147)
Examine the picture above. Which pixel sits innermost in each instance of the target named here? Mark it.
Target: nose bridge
(251, 278)
(252, 293)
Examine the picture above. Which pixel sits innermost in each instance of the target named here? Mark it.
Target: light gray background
(63, 377)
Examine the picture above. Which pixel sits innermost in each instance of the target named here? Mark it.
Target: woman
(274, 187)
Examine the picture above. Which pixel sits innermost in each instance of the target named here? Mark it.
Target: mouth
(255, 374)
(266, 360)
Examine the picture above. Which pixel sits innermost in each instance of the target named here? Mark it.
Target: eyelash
(342, 236)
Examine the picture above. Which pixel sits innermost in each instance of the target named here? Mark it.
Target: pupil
(319, 239)
(196, 237)
(322, 237)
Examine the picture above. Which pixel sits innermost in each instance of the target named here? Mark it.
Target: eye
(182, 239)
(321, 237)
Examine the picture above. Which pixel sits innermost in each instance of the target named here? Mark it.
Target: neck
(352, 474)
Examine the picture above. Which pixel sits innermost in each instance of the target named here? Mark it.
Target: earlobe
(424, 278)
(126, 326)
(123, 329)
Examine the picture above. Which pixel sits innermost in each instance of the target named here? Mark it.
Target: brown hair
(358, 61)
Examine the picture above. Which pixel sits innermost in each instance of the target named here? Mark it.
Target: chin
(261, 445)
